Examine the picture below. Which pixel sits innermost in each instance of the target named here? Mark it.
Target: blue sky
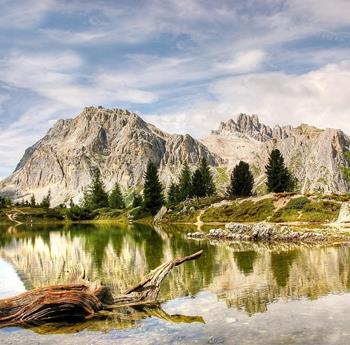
(184, 65)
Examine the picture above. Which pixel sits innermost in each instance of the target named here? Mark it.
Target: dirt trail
(12, 215)
(199, 222)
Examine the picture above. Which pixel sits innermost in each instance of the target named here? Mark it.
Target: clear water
(233, 294)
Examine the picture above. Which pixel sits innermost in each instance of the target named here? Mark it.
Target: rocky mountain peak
(250, 125)
(120, 143)
(117, 142)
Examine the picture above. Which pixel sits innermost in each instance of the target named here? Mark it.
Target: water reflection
(246, 277)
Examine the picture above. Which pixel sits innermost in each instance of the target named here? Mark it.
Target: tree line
(45, 202)
(198, 184)
(201, 183)
(279, 178)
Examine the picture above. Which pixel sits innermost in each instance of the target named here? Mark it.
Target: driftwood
(78, 302)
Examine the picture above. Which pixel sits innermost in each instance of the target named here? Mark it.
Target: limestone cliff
(315, 156)
(116, 141)
(120, 144)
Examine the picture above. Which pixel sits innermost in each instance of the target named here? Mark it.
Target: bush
(304, 210)
(138, 213)
(246, 211)
(77, 213)
(297, 203)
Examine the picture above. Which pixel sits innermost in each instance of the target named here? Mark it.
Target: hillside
(120, 143)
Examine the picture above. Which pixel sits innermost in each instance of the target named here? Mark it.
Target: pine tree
(208, 183)
(278, 177)
(137, 200)
(153, 191)
(173, 194)
(95, 196)
(185, 183)
(116, 199)
(45, 203)
(198, 187)
(242, 181)
(32, 201)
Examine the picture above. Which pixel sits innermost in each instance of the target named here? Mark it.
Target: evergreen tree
(95, 196)
(75, 212)
(32, 201)
(153, 191)
(242, 181)
(202, 181)
(207, 178)
(137, 200)
(173, 194)
(279, 178)
(45, 203)
(185, 183)
(116, 199)
(198, 187)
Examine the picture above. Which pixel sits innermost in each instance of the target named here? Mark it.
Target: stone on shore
(265, 232)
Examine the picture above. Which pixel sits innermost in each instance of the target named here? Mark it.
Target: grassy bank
(277, 208)
(37, 215)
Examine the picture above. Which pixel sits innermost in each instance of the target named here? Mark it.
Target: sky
(183, 65)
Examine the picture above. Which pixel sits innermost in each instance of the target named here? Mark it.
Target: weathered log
(77, 302)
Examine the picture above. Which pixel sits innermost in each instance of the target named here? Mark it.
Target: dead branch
(77, 302)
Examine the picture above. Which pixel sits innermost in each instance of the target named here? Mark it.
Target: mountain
(315, 156)
(120, 144)
(116, 141)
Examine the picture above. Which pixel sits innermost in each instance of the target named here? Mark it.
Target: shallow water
(233, 294)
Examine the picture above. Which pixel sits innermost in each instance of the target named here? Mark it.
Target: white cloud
(57, 76)
(24, 13)
(319, 98)
(324, 13)
(245, 61)
(29, 128)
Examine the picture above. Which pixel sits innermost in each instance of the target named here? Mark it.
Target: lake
(234, 294)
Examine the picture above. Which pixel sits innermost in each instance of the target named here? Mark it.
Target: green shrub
(77, 213)
(297, 203)
(138, 213)
(303, 210)
(246, 211)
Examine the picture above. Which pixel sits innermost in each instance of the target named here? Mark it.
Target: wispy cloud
(24, 13)
(319, 97)
(23, 133)
(59, 77)
(186, 64)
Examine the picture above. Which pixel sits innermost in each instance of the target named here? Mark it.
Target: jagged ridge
(116, 141)
(121, 143)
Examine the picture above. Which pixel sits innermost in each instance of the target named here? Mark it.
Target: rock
(120, 144)
(216, 340)
(265, 232)
(116, 141)
(159, 216)
(315, 156)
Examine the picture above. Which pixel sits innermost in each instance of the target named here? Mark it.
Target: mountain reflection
(245, 276)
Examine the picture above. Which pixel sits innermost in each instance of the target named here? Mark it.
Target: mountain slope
(116, 141)
(120, 144)
(315, 156)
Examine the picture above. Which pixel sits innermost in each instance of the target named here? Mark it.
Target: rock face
(314, 156)
(116, 141)
(120, 144)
